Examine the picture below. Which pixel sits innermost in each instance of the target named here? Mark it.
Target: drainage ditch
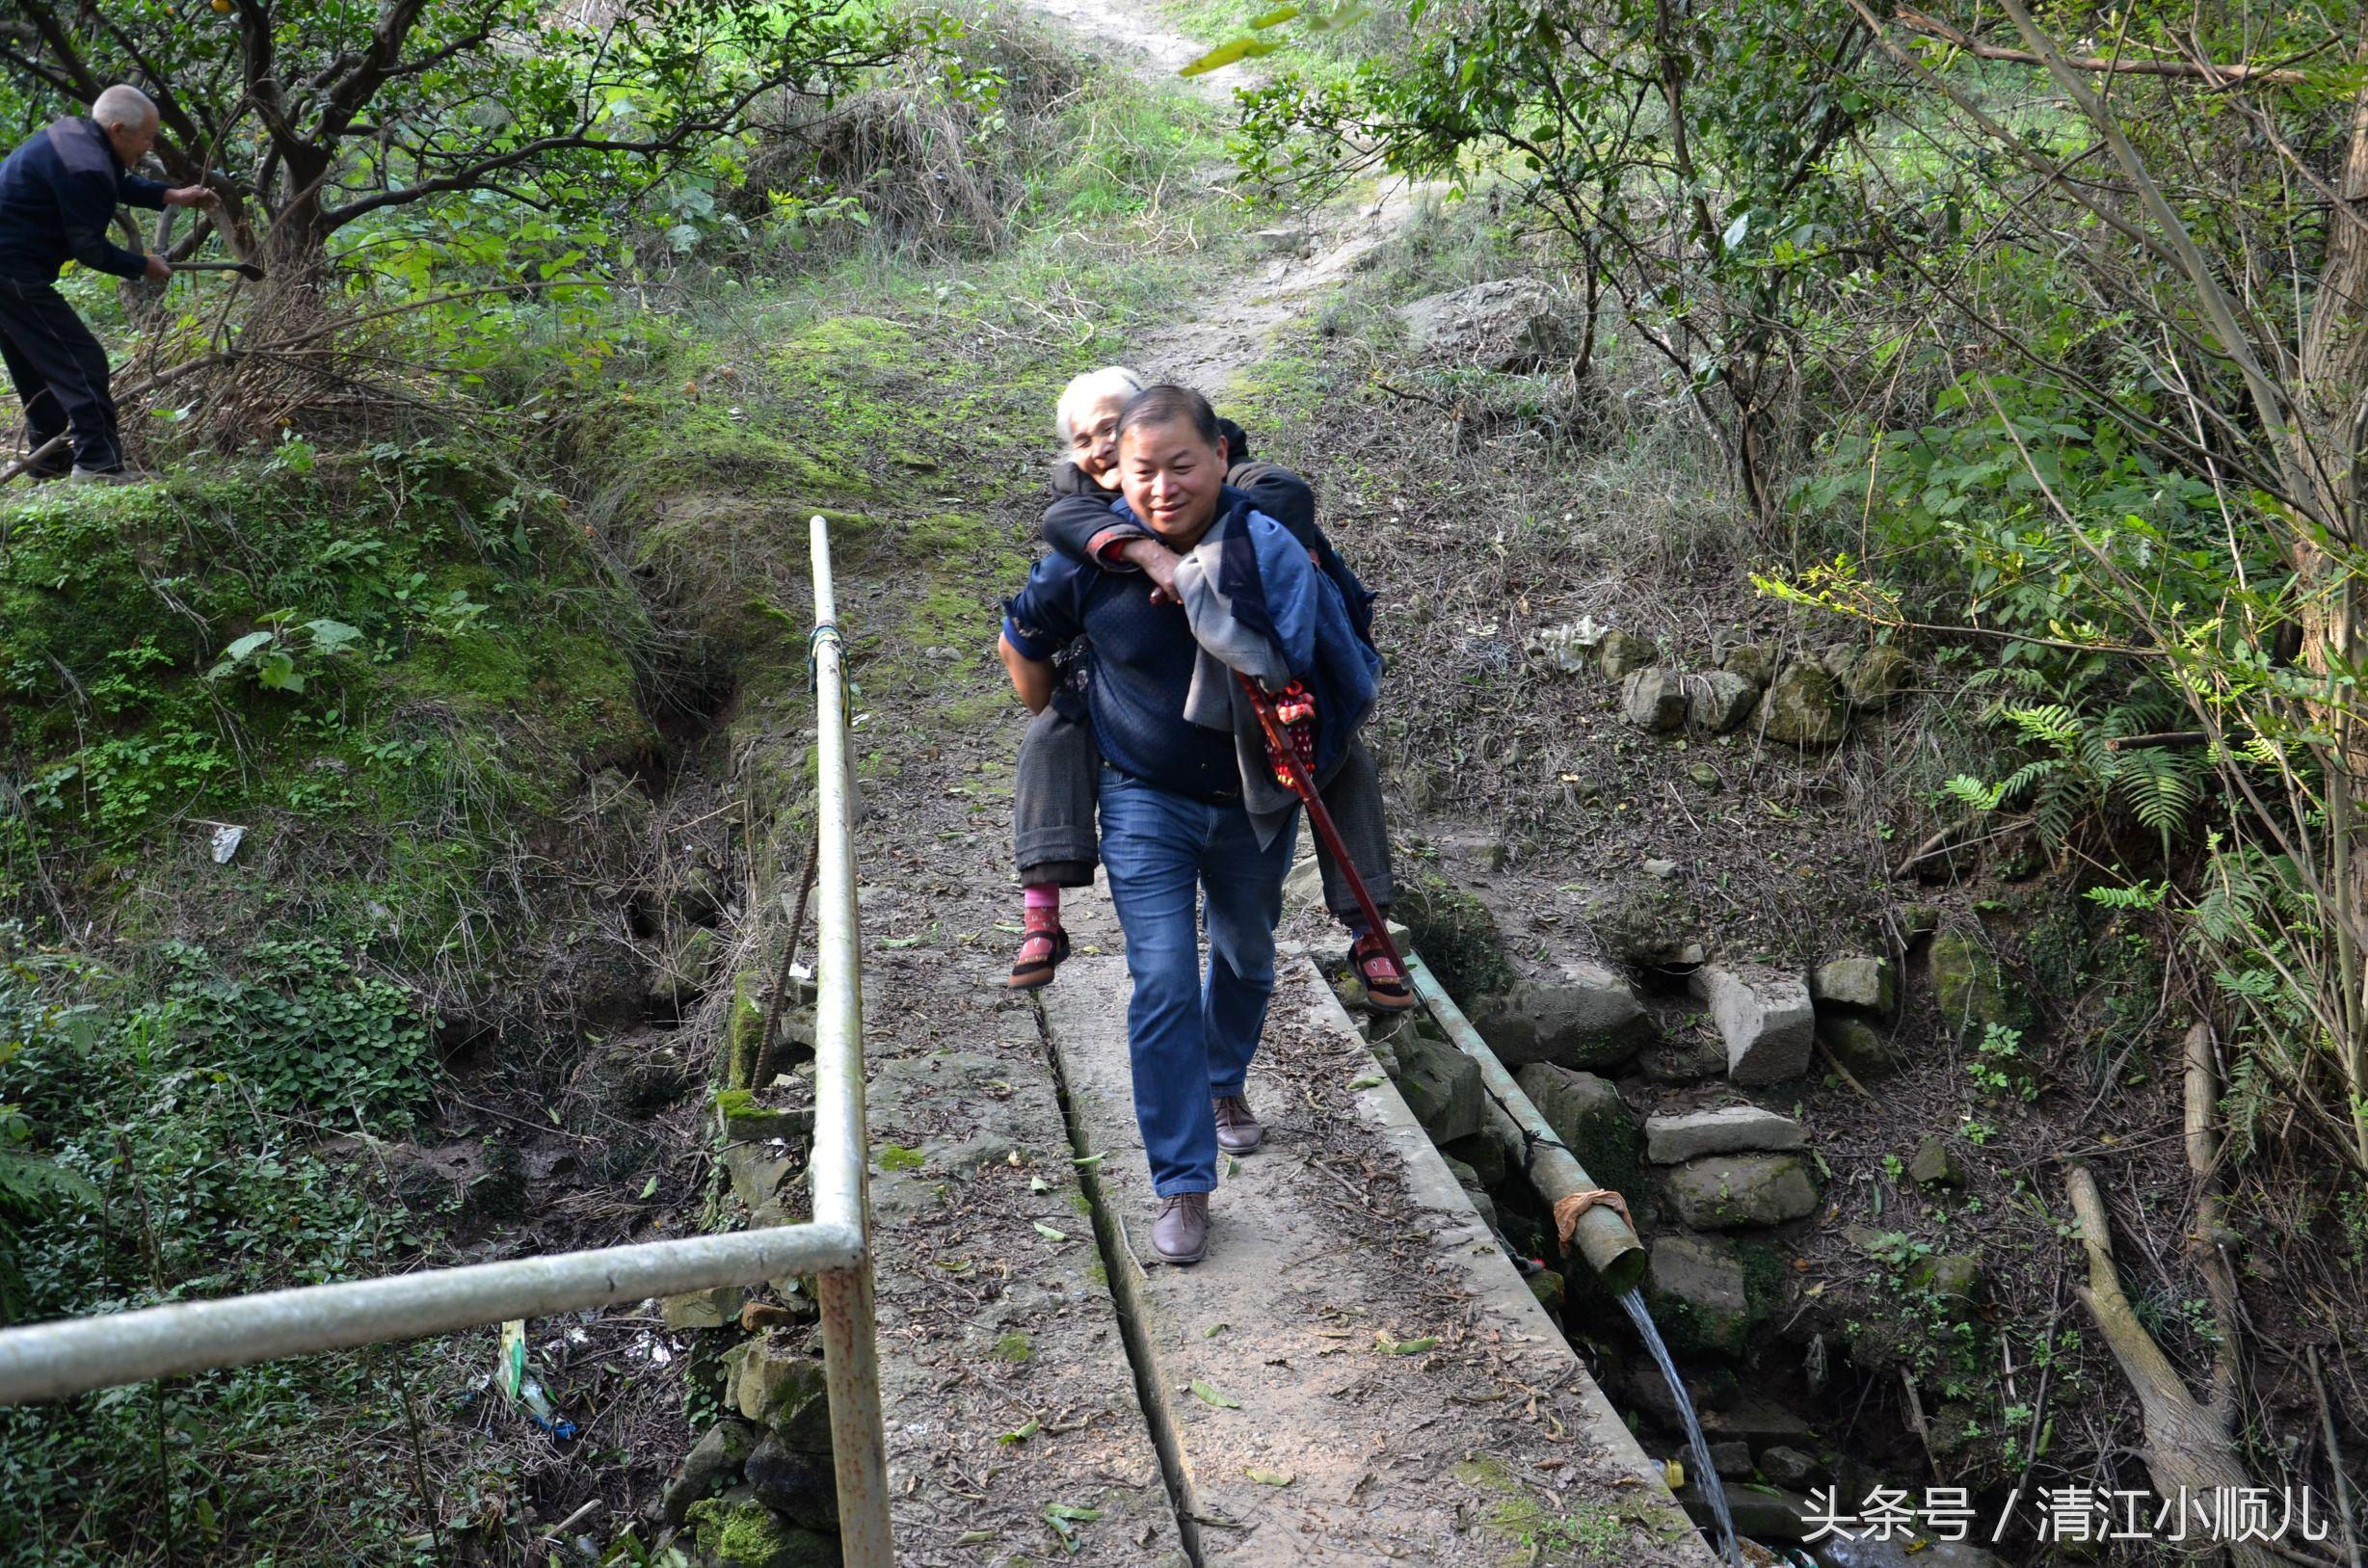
(1783, 1416)
(1125, 1274)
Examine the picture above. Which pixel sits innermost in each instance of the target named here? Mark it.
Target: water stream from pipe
(1705, 1474)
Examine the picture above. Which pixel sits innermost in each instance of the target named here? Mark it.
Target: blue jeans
(1189, 1037)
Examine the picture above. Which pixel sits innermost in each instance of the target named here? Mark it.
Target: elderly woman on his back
(1179, 839)
(1054, 797)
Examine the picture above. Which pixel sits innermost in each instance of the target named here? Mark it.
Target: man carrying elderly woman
(1195, 829)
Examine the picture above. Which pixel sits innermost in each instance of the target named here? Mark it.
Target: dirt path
(1021, 1422)
(1235, 325)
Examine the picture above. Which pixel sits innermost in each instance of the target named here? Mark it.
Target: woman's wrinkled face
(1093, 441)
(1171, 477)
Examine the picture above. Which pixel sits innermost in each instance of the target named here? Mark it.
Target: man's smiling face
(1171, 477)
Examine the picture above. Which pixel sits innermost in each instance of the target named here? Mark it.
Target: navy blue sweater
(1142, 670)
(58, 193)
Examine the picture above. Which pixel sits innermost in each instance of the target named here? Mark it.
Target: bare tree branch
(2212, 75)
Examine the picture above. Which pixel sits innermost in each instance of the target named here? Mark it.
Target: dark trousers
(61, 373)
(1053, 814)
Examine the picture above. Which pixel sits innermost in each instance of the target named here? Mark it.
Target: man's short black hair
(1165, 404)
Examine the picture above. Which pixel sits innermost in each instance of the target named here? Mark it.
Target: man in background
(58, 193)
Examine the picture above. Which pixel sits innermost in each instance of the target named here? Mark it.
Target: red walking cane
(1289, 745)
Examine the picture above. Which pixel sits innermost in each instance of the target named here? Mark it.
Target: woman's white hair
(1089, 388)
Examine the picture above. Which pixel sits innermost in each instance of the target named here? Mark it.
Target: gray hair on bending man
(124, 108)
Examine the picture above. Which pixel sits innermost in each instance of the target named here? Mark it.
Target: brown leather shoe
(1238, 1129)
(1181, 1232)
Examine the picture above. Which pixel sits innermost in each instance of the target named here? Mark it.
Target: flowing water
(1705, 1474)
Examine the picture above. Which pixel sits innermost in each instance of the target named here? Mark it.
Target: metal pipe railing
(839, 1175)
(49, 1361)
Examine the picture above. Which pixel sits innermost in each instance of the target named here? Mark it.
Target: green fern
(2050, 724)
(2145, 895)
(2243, 1106)
(28, 1181)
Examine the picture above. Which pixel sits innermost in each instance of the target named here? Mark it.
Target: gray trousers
(1053, 814)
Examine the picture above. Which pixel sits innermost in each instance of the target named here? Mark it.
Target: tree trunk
(2323, 458)
(2186, 1444)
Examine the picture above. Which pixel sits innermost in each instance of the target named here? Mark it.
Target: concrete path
(1357, 1373)
(1011, 1410)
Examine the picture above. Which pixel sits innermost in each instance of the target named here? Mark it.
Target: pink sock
(1041, 896)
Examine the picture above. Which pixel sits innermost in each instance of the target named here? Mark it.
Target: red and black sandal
(1385, 990)
(1041, 952)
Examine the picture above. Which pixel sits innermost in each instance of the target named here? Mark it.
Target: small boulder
(1970, 989)
(1494, 1153)
(1585, 1016)
(798, 1484)
(702, 1308)
(1622, 653)
(1694, 1285)
(745, 1120)
(1484, 1154)
(1303, 886)
(1954, 1277)
(744, 1534)
(1764, 1016)
(713, 1464)
(769, 1386)
(1672, 1137)
(1878, 678)
(1468, 1180)
(1936, 1164)
(1856, 984)
(758, 1171)
(1755, 662)
(1642, 924)
(1510, 325)
(1718, 702)
(1863, 1051)
(1688, 1058)
(1732, 1459)
(1653, 699)
(1587, 1114)
(1803, 707)
(1570, 647)
(1441, 1085)
(1550, 1290)
(1725, 1192)
(687, 968)
(1788, 1467)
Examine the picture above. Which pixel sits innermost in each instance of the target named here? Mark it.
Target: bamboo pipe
(1604, 1239)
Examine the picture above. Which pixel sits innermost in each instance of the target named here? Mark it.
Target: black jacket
(58, 193)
